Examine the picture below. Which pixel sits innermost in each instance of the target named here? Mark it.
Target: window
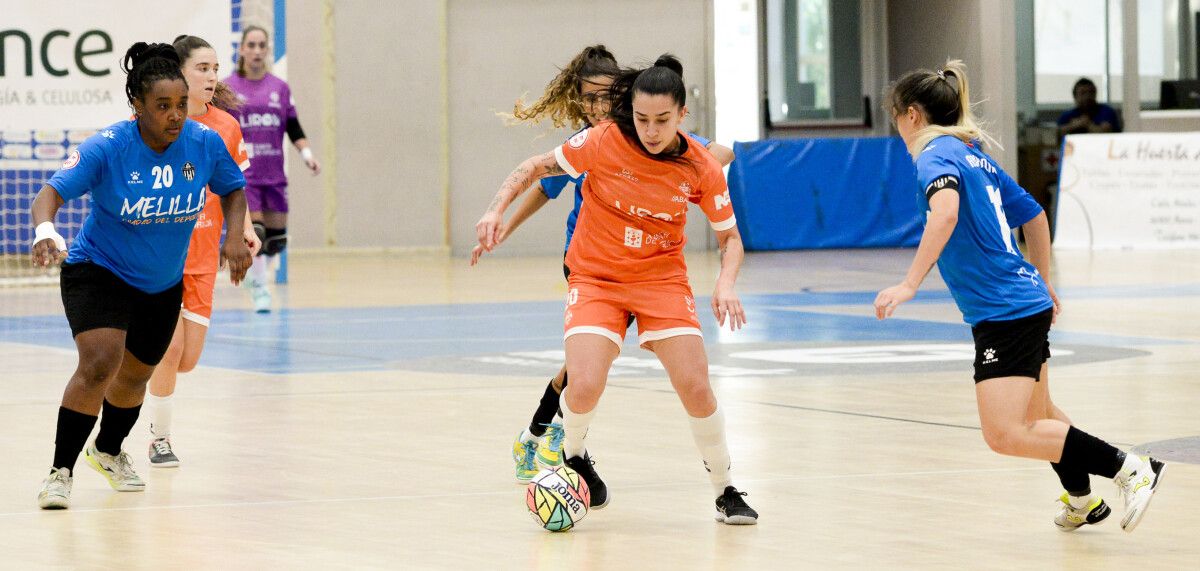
(814, 67)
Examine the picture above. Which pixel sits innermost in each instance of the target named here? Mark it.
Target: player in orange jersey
(208, 102)
(626, 257)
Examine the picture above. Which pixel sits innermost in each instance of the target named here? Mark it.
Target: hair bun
(670, 62)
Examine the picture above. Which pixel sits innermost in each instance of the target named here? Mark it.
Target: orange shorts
(663, 309)
(198, 297)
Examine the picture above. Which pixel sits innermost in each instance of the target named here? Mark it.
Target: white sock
(709, 434)
(1132, 464)
(575, 428)
(258, 270)
(527, 436)
(160, 424)
(1080, 502)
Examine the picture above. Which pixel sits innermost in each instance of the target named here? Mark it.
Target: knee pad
(275, 241)
(260, 230)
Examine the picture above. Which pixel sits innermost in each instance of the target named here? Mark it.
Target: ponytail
(944, 97)
(562, 101)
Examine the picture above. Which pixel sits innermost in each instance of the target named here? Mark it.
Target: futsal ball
(558, 498)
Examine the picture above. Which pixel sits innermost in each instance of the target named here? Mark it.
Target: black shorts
(1013, 348)
(96, 298)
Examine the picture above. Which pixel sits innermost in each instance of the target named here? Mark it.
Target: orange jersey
(631, 227)
(204, 249)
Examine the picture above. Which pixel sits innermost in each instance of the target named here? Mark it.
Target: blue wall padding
(825, 193)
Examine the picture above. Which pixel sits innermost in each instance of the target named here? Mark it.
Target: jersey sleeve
(697, 138)
(236, 145)
(713, 198)
(578, 154)
(226, 175)
(937, 173)
(289, 110)
(82, 170)
(1019, 206)
(552, 186)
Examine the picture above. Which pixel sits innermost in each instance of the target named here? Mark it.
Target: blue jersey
(553, 187)
(144, 204)
(983, 268)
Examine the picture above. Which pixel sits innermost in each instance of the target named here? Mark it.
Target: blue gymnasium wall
(825, 193)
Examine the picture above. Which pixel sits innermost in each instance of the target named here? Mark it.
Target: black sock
(546, 409)
(1084, 452)
(1076, 482)
(73, 430)
(115, 424)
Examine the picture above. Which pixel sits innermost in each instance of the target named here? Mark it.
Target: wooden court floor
(367, 424)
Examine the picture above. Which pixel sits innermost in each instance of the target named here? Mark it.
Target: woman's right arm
(532, 203)
(521, 178)
(48, 245)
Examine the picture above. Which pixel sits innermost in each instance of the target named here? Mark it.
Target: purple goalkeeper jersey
(266, 107)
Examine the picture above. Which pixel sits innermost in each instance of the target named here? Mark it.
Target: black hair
(1082, 82)
(145, 64)
(665, 77)
(223, 96)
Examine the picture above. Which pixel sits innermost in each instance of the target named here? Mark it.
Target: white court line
(382, 341)
(513, 491)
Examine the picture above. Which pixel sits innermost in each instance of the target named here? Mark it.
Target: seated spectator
(1088, 116)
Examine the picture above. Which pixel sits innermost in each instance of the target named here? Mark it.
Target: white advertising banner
(60, 61)
(1129, 190)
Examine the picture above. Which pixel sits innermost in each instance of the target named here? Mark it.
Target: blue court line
(383, 338)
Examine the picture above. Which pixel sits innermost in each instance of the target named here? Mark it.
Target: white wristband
(306, 153)
(46, 230)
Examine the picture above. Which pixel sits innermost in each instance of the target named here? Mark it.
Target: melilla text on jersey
(162, 209)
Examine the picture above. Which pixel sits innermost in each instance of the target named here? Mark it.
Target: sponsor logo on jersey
(274, 102)
(260, 120)
(721, 200)
(578, 139)
(626, 174)
(189, 171)
(633, 237)
(135, 177)
(72, 160)
(979, 163)
(108, 134)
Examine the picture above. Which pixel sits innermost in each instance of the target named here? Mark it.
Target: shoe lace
(124, 465)
(555, 433)
(734, 499)
(162, 446)
(527, 462)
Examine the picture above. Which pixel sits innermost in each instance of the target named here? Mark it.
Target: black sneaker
(733, 510)
(583, 465)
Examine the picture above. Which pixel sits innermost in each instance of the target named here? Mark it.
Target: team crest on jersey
(578, 139)
(274, 100)
(189, 171)
(72, 160)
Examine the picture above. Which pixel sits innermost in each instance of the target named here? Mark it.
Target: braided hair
(145, 64)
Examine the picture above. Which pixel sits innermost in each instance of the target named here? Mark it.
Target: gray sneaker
(118, 470)
(161, 455)
(56, 490)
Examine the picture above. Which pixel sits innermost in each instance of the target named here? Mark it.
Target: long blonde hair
(944, 97)
(562, 101)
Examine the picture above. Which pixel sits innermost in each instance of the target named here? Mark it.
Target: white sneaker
(1138, 489)
(118, 470)
(261, 295)
(56, 490)
(161, 454)
(1071, 519)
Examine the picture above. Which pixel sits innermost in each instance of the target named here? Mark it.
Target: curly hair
(562, 101)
